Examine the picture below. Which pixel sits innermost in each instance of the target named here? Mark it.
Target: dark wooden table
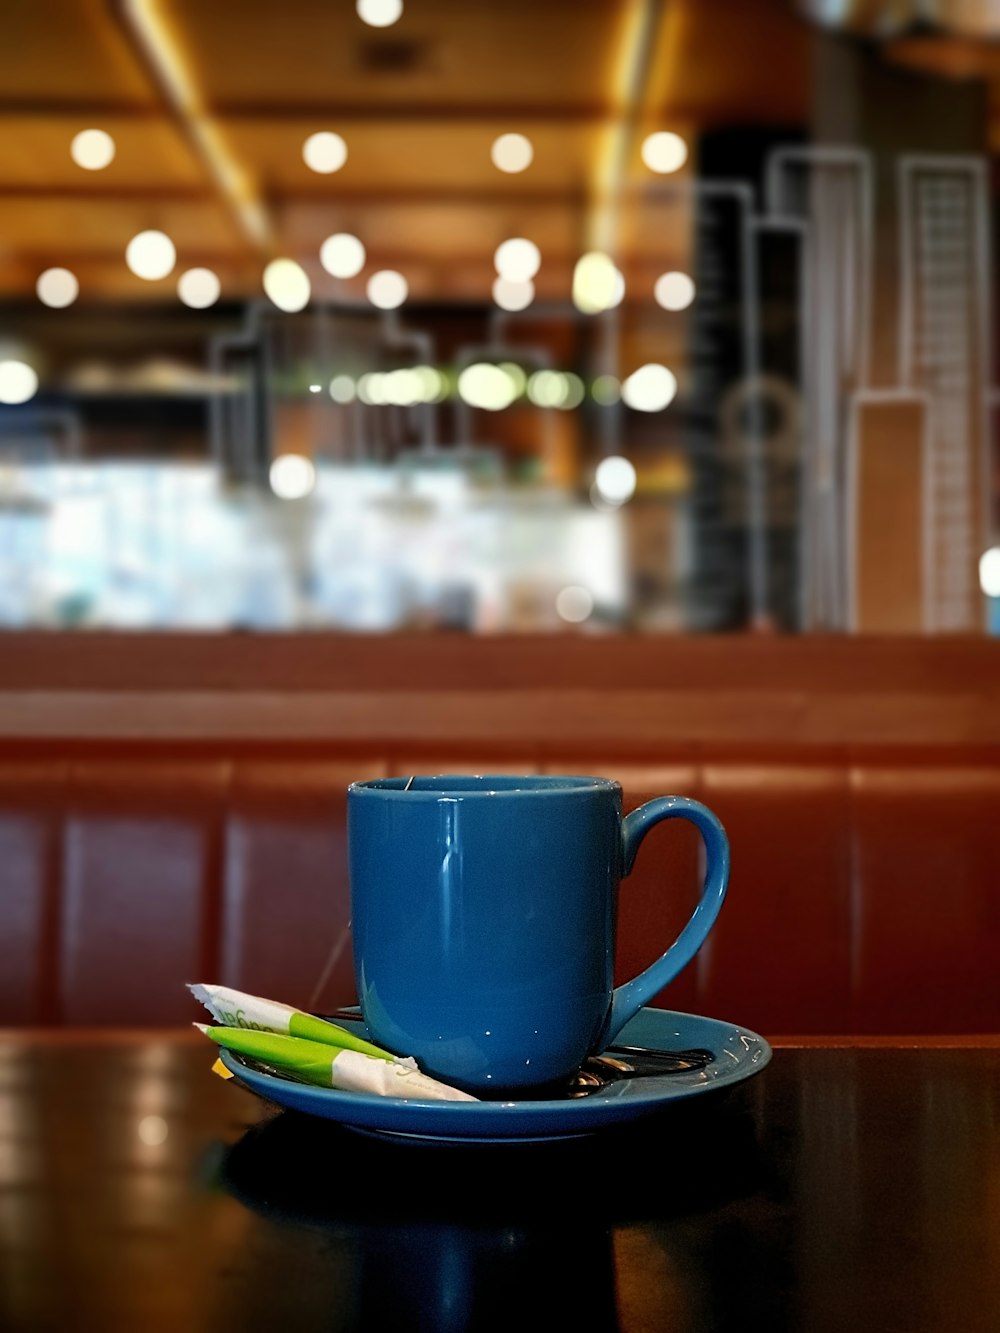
(843, 1188)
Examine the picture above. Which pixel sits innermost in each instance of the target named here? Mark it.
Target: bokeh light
(595, 282)
(199, 288)
(547, 388)
(486, 386)
(674, 291)
(664, 152)
(57, 287)
(342, 255)
(152, 1130)
(18, 382)
(292, 476)
(370, 389)
(615, 479)
(151, 255)
(342, 389)
(433, 386)
(510, 295)
(512, 152)
(287, 285)
(574, 391)
(387, 289)
(651, 388)
(574, 603)
(324, 152)
(989, 572)
(379, 13)
(403, 387)
(516, 376)
(518, 259)
(92, 149)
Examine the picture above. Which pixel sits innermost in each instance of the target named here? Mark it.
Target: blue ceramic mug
(483, 920)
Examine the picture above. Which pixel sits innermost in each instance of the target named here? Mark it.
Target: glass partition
(627, 317)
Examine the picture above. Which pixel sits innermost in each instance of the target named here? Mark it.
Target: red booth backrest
(863, 898)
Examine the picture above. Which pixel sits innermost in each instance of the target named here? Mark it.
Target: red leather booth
(863, 897)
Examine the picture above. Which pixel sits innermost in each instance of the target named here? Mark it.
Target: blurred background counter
(355, 319)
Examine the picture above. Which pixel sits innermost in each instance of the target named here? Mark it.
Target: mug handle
(630, 997)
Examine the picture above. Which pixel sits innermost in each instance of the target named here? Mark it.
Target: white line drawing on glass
(238, 409)
(271, 343)
(705, 194)
(780, 391)
(830, 189)
(944, 348)
(500, 347)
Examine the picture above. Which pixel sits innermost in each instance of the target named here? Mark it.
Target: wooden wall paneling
(32, 795)
(286, 908)
(140, 876)
(473, 762)
(290, 663)
(660, 894)
(927, 933)
(635, 696)
(778, 959)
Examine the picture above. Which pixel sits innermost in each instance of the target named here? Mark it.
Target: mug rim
(504, 785)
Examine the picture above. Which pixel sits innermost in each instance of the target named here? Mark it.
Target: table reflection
(840, 1189)
(451, 1237)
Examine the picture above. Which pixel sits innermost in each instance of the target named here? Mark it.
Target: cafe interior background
(621, 316)
(414, 385)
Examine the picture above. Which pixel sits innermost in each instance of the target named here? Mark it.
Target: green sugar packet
(235, 1009)
(330, 1067)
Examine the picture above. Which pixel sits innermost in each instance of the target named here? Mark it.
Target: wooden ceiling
(209, 105)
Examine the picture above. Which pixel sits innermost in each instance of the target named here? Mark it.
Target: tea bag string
(339, 944)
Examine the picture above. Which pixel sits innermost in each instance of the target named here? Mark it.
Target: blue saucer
(739, 1054)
